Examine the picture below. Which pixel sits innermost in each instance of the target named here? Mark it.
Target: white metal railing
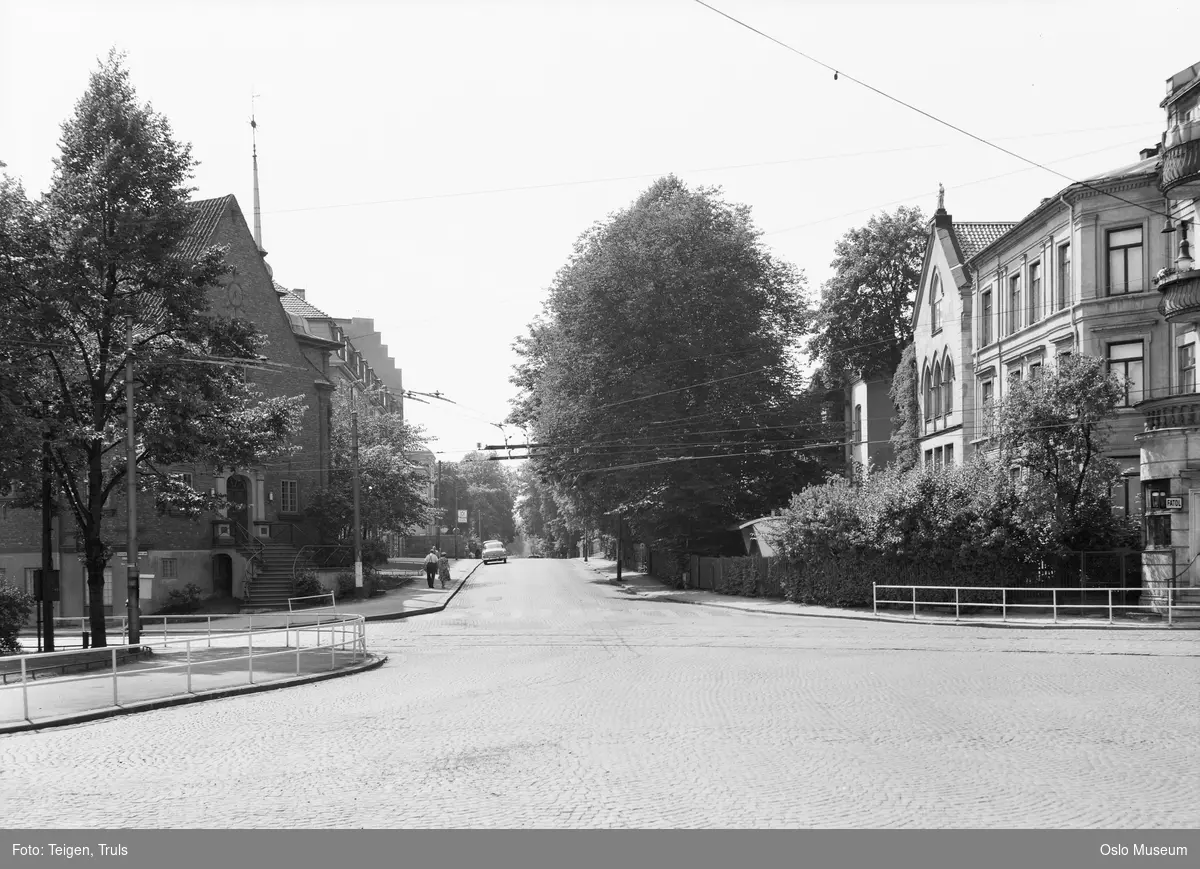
(157, 628)
(305, 636)
(1005, 606)
(326, 596)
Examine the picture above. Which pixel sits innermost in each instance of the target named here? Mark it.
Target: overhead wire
(838, 73)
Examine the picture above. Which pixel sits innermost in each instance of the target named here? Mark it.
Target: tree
(864, 320)
(661, 371)
(1055, 428)
(104, 243)
(391, 485)
(906, 427)
(485, 489)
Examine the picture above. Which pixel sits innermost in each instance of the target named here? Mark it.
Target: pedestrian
(431, 566)
(444, 569)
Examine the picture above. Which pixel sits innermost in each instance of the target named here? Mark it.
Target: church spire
(254, 146)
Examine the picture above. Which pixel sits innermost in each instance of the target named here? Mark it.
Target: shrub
(185, 600)
(15, 607)
(345, 585)
(308, 585)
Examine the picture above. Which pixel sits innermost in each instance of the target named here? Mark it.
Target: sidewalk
(157, 681)
(644, 586)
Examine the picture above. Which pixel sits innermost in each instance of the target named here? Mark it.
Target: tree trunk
(94, 553)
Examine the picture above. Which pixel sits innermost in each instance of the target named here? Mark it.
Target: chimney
(298, 291)
(1147, 153)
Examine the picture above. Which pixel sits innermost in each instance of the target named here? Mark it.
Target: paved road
(544, 698)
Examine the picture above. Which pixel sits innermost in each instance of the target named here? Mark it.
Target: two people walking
(437, 564)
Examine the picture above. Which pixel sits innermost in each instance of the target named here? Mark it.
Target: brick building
(267, 500)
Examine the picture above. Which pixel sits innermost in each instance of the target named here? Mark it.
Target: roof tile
(205, 215)
(974, 237)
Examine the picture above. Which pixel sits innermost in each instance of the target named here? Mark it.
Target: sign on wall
(1174, 503)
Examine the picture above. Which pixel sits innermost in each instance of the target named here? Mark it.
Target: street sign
(462, 517)
(1174, 503)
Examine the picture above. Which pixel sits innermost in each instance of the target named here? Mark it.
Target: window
(1125, 261)
(1126, 497)
(928, 458)
(1187, 368)
(936, 389)
(1035, 371)
(985, 320)
(949, 455)
(1158, 526)
(937, 457)
(1064, 276)
(170, 568)
(985, 403)
(1035, 292)
(108, 590)
(1125, 360)
(927, 394)
(935, 303)
(948, 387)
(186, 479)
(1014, 303)
(857, 433)
(30, 583)
(289, 496)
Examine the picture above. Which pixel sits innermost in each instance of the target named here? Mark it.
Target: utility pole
(586, 544)
(358, 568)
(132, 586)
(49, 584)
(437, 501)
(456, 514)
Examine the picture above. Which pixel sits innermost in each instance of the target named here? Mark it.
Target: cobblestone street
(543, 697)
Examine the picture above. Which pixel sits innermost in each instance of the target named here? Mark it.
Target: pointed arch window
(947, 387)
(926, 394)
(937, 389)
(935, 303)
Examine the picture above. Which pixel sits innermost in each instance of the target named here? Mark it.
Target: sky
(430, 164)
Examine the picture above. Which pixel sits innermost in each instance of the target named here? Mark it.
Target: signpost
(462, 517)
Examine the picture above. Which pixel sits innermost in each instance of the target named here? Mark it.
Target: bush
(345, 585)
(185, 600)
(308, 585)
(15, 607)
(964, 525)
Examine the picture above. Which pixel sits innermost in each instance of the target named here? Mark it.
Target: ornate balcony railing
(1179, 174)
(1175, 411)
(1180, 295)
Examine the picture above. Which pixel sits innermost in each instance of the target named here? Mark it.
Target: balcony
(1180, 291)
(1174, 411)
(1179, 174)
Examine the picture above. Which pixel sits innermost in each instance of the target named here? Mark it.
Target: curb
(372, 663)
(385, 617)
(1037, 626)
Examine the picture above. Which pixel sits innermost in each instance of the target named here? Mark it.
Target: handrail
(345, 632)
(306, 554)
(256, 556)
(1004, 605)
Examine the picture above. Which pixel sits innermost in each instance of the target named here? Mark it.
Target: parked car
(494, 550)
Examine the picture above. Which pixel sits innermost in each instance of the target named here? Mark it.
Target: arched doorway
(237, 491)
(222, 573)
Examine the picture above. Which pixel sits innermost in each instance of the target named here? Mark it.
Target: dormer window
(935, 303)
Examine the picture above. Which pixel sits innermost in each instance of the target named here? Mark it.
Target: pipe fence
(274, 646)
(1170, 595)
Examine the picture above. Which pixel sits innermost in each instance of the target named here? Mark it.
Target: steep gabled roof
(205, 215)
(293, 304)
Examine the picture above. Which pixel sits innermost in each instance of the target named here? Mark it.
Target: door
(237, 491)
(222, 568)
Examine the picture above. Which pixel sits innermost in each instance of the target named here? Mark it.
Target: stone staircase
(272, 583)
